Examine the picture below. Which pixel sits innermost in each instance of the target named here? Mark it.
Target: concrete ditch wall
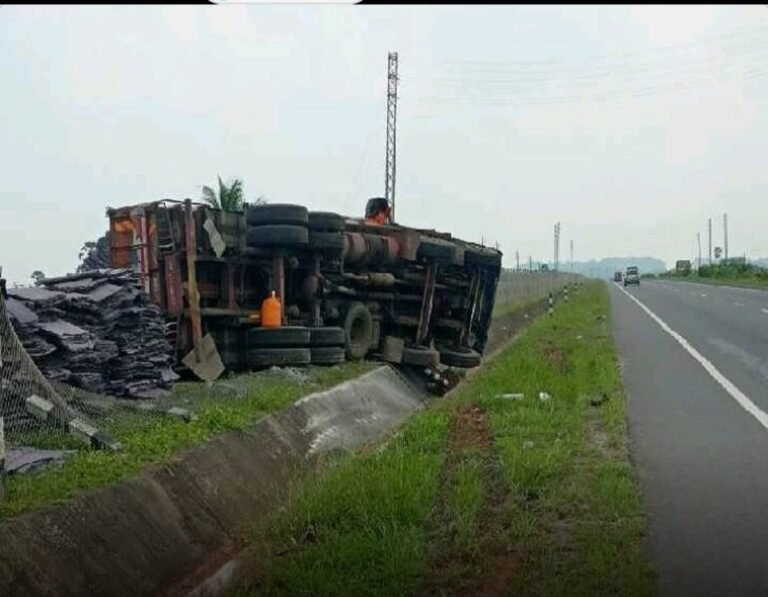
(140, 536)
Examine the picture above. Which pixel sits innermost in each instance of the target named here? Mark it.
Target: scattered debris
(528, 444)
(511, 396)
(95, 330)
(21, 459)
(544, 396)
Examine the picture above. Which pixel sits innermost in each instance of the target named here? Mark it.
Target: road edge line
(740, 397)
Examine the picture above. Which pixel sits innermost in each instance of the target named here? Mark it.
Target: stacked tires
(326, 233)
(294, 345)
(277, 225)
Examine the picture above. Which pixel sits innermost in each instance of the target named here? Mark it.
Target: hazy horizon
(631, 125)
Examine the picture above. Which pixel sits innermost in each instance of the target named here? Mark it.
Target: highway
(695, 366)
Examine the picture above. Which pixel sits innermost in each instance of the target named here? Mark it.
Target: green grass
(150, 440)
(502, 309)
(467, 498)
(740, 282)
(360, 527)
(366, 526)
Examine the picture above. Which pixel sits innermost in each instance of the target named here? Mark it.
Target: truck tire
(293, 336)
(358, 331)
(435, 251)
(328, 355)
(277, 213)
(276, 236)
(326, 221)
(328, 336)
(489, 259)
(421, 356)
(327, 242)
(463, 359)
(259, 358)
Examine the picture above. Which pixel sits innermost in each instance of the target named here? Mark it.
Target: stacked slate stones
(94, 330)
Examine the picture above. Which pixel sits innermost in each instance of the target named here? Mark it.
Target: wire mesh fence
(519, 288)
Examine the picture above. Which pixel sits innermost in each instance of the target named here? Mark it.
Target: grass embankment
(153, 439)
(739, 282)
(482, 493)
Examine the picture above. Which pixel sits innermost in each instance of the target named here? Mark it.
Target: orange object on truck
(271, 312)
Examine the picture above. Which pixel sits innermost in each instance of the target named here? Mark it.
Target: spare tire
(283, 336)
(276, 236)
(277, 213)
(461, 358)
(259, 358)
(358, 331)
(326, 221)
(421, 356)
(328, 336)
(328, 355)
(327, 242)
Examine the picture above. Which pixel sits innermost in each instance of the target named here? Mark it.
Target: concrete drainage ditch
(155, 531)
(139, 536)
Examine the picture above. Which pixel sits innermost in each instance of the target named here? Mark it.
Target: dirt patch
(556, 358)
(486, 567)
(469, 429)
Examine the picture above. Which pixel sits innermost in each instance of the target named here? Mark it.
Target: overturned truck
(349, 289)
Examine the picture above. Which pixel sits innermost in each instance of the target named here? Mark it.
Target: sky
(631, 125)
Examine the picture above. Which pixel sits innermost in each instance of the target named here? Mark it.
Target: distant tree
(37, 277)
(94, 255)
(228, 198)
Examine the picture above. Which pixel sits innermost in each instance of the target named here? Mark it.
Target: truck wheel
(284, 336)
(277, 213)
(275, 236)
(434, 251)
(358, 331)
(258, 358)
(328, 355)
(328, 336)
(326, 221)
(328, 242)
(463, 359)
(421, 356)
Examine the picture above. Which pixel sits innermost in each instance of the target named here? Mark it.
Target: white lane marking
(727, 384)
(764, 311)
(738, 304)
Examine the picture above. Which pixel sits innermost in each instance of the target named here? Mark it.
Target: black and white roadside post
(551, 303)
(566, 293)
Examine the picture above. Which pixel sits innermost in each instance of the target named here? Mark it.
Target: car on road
(632, 276)
(617, 277)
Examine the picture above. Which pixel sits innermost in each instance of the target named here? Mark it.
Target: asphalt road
(700, 450)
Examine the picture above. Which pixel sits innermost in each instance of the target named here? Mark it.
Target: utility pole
(556, 258)
(725, 235)
(571, 268)
(530, 263)
(517, 260)
(698, 241)
(709, 224)
(391, 165)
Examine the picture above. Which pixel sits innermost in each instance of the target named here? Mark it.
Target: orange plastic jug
(271, 312)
